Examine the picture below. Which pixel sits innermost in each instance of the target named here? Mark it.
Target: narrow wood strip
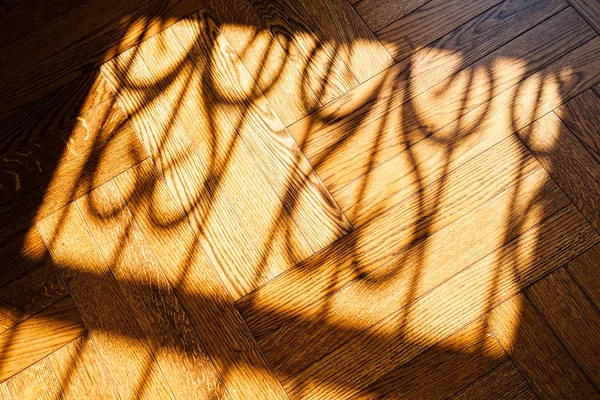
(40, 335)
(222, 331)
(582, 116)
(79, 371)
(350, 37)
(597, 89)
(263, 59)
(537, 353)
(309, 284)
(278, 239)
(163, 322)
(322, 69)
(504, 383)
(228, 243)
(472, 133)
(568, 162)
(373, 296)
(111, 325)
(36, 382)
(442, 369)
(30, 294)
(590, 10)
(428, 23)
(297, 185)
(567, 311)
(340, 125)
(443, 311)
(377, 14)
(585, 269)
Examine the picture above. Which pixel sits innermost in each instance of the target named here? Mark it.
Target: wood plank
(79, 371)
(30, 294)
(443, 369)
(431, 80)
(436, 18)
(36, 382)
(275, 234)
(22, 255)
(378, 14)
(222, 331)
(171, 337)
(263, 58)
(458, 142)
(69, 181)
(597, 89)
(443, 311)
(111, 325)
(35, 159)
(572, 317)
(585, 270)
(582, 117)
(350, 37)
(536, 352)
(372, 294)
(54, 113)
(411, 224)
(231, 248)
(297, 185)
(38, 336)
(568, 162)
(4, 393)
(504, 383)
(68, 46)
(322, 70)
(590, 10)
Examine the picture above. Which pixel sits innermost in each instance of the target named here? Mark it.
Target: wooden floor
(270, 199)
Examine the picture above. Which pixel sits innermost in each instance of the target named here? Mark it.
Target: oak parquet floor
(270, 199)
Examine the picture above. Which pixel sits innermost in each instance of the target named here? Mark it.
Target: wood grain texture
(505, 383)
(79, 371)
(111, 325)
(590, 10)
(536, 352)
(463, 298)
(38, 336)
(377, 14)
(297, 185)
(322, 70)
(427, 94)
(4, 393)
(585, 270)
(263, 59)
(172, 339)
(572, 317)
(36, 382)
(568, 162)
(275, 234)
(67, 47)
(452, 145)
(399, 280)
(443, 369)
(30, 294)
(222, 331)
(54, 113)
(350, 37)
(582, 117)
(239, 259)
(428, 23)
